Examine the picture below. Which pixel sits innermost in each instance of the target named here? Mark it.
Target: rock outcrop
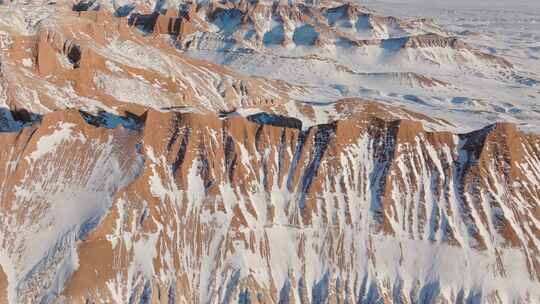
(86, 59)
(131, 172)
(191, 208)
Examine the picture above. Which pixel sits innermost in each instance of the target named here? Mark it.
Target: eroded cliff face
(131, 172)
(3, 287)
(93, 60)
(170, 207)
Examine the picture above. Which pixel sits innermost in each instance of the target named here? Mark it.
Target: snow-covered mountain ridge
(232, 152)
(198, 209)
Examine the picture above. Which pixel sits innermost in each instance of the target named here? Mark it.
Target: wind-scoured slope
(196, 209)
(95, 60)
(131, 172)
(57, 181)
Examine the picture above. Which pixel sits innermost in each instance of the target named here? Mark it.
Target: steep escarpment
(263, 24)
(58, 178)
(132, 172)
(94, 59)
(227, 210)
(251, 26)
(3, 287)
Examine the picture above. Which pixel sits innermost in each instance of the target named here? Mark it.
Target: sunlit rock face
(133, 170)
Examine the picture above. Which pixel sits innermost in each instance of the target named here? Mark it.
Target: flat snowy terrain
(509, 28)
(506, 28)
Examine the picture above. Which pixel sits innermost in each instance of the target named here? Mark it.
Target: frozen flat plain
(510, 29)
(507, 28)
